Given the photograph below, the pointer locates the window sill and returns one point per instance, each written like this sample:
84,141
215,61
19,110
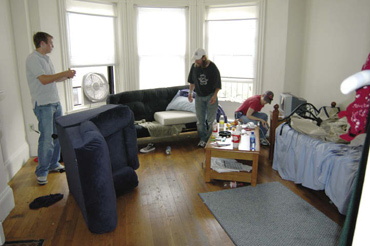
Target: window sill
229,100
85,107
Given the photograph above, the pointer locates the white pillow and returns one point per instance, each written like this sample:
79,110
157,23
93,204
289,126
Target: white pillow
181,103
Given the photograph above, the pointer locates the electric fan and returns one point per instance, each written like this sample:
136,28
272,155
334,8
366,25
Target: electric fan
95,87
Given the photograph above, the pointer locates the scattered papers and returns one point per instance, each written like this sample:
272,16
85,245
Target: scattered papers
222,165
220,144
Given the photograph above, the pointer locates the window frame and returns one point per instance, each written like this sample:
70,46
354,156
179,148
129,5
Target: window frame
257,81
68,85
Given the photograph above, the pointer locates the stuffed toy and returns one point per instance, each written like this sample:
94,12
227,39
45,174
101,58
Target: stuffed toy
357,111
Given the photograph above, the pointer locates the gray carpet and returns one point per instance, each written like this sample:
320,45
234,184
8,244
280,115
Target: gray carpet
270,214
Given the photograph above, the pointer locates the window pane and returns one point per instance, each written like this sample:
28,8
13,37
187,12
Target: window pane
77,96
161,36
236,89
91,39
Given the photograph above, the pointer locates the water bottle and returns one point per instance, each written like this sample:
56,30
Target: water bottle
253,142
168,150
214,130
222,123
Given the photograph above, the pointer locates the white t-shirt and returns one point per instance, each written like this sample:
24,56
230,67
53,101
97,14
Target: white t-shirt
37,65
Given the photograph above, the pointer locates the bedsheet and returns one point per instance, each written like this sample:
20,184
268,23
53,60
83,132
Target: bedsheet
317,164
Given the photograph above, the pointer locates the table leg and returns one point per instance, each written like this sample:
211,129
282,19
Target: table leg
254,170
207,170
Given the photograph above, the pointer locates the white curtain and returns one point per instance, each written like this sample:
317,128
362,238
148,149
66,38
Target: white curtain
91,40
161,43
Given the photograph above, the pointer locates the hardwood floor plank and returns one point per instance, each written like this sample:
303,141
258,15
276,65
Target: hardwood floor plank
165,209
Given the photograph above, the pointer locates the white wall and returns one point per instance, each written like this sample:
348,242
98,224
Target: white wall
29,17
13,146
337,43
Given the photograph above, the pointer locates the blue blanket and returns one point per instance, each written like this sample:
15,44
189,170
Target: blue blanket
317,164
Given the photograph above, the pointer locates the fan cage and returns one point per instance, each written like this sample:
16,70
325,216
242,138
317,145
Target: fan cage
95,87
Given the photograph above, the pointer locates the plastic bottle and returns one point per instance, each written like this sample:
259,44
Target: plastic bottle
236,135
214,130
168,150
222,123
253,141
233,184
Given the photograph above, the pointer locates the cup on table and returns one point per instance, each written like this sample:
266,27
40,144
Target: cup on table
235,138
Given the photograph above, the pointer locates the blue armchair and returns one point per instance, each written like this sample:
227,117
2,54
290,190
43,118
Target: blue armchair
99,150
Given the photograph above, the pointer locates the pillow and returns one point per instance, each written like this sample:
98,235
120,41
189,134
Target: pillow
181,103
185,93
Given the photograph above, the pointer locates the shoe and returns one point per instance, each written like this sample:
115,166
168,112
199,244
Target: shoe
264,142
45,201
42,180
148,148
59,168
202,144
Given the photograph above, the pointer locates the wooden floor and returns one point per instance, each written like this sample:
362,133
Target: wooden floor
165,209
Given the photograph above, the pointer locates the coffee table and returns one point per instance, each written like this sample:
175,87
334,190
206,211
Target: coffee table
228,152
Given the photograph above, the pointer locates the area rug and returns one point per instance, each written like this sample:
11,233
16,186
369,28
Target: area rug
25,243
270,214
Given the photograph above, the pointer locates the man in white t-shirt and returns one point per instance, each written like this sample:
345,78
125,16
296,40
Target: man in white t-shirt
42,80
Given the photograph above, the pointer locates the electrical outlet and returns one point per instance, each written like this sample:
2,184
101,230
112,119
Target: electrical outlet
31,127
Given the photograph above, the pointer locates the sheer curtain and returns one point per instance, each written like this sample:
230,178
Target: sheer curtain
161,43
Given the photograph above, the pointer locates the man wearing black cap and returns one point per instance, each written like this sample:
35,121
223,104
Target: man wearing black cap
249,112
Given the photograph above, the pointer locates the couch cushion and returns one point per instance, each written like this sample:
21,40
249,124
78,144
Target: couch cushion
174,117
75,119
96,180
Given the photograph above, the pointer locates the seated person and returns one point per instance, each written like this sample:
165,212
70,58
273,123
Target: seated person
249,112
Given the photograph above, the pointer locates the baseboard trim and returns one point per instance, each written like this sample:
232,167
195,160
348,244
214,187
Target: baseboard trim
6,202
16,161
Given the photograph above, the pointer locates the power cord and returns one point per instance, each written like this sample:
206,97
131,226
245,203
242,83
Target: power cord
33,129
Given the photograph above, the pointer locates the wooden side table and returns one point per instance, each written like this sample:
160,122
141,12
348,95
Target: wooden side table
228,152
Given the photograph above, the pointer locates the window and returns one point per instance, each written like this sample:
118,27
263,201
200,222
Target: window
91,45
161,43
148,44
231,35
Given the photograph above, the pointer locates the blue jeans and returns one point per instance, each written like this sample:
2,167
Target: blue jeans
206,114
48,148
263,130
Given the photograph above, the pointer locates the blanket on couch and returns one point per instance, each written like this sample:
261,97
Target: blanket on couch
157,130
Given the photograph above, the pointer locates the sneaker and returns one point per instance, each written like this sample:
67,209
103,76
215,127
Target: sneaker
202,144
42,180
59,168
148,148
264,142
